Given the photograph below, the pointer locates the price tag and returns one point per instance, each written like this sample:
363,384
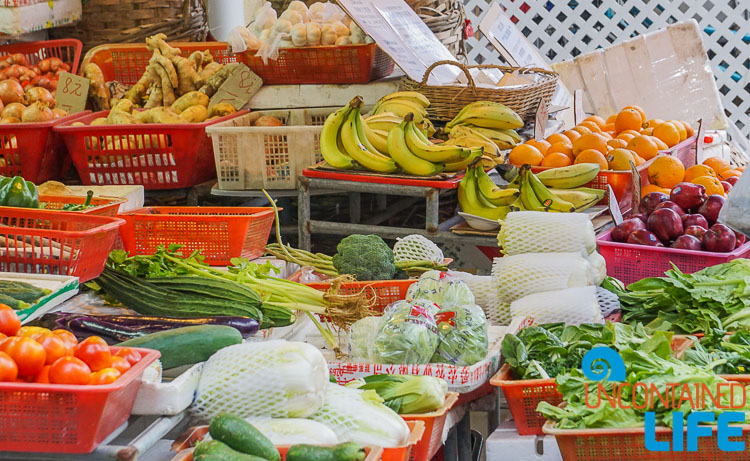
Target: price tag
238,88
72,93
577,106
614,207
540,121
699,138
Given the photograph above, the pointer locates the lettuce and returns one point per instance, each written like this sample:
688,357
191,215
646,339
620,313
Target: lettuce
462,332
408,333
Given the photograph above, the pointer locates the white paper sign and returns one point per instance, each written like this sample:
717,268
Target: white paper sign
614,207
398,30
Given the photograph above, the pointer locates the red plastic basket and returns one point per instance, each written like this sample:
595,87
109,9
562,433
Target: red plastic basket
383,292
34,150
126,62
628,445
523,395
321,65
58,418
416,432
154,155
101,206
221,233
432,439
67,49
55,242
630,263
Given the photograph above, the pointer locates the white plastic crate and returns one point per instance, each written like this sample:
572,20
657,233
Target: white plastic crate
267,157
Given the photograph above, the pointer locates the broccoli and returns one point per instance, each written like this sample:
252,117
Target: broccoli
366,257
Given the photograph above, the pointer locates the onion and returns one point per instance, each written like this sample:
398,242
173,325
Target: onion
10,120
59,113
14,109
37,112
37,93
11,91
268,120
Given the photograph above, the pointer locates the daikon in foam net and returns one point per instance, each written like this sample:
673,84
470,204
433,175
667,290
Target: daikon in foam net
416,247
573,306
541,232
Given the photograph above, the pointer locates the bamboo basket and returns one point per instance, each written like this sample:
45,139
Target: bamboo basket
131,21
447,100
445,18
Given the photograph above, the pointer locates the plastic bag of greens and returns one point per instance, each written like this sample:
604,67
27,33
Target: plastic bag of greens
408,333
362,335
442,289
462,334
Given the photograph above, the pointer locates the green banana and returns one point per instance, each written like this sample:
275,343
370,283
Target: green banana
332,153
490,191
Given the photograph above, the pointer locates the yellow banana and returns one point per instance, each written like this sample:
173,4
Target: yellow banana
462,130
582,198
366,135
568,177
356,149
409,162
512,133
329,137
427,127
459,166
528,196
426,150
489,190
401,108
503,140
378,138
467,107
491,117
470,202
413,96
489,147
547,198
383,124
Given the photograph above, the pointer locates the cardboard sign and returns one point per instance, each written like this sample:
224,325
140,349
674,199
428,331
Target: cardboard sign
72,93
238,88
577,106
540,120
614,207
700,136
636,187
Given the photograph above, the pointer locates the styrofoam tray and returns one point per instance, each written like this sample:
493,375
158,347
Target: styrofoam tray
63,288
170,397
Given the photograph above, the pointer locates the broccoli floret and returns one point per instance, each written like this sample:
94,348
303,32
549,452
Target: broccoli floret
366,257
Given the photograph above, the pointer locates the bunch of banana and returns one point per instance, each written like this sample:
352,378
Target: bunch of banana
480,196
461,135
401,103
493,121
536,195
386,121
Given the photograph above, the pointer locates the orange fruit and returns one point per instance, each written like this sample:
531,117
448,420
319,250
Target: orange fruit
611,133
609,127
643,146
581,129
626,136
647,131
696,171
590,141
741,169
666,171
619,159
717,164
628,119
681,128
688,128
525,154
563,148
729,173
615,143
606,135
639,160
559,137
542,145
592,156
652,122
572,135
556,159
633,132
711,183
659,143
637,109
591,125
653,188
668,133
596,119
611,119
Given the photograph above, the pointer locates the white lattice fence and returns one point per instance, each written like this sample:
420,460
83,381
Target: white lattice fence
564,29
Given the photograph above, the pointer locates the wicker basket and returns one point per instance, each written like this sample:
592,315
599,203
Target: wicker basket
131,21
446,101
445,18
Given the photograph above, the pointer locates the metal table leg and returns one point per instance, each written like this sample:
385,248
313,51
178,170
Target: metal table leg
303,213
463,437
355,207
432,214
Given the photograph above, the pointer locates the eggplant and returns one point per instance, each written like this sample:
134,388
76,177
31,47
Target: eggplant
125,327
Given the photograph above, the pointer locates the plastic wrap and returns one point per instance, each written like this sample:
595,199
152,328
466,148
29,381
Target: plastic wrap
442,289
736,210
462,334
573,306
408,333
541,232
362,335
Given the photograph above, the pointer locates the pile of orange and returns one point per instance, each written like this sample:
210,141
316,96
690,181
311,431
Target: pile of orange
666,172
612,143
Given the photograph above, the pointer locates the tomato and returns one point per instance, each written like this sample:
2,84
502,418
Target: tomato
120,364
2,336
69,370
105,376
129,354
8,368
43,376
5,343
54,346
95,352
9,321
32,332
69,338
28,354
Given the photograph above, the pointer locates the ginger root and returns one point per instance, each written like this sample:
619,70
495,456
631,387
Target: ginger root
189,80
209,70
194,98
158,43
167,89
216,80
98,93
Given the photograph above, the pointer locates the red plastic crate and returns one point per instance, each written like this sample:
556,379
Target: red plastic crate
416,431
432,439
383,292
67,49
523,396
630,263
221,233
101,206
154,155
34,150
321,65
55,242
61,418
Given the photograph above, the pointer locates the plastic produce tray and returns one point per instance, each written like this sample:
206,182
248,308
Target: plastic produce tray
67,49
383,292
101,206
432,439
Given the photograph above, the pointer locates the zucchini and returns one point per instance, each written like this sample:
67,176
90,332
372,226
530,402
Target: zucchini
226,289
225,452
348,451
205,457
187,345
13,303
242,436
22,291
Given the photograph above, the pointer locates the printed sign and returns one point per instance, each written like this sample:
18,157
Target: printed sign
577,106
699,139
540,121
238,88
72,92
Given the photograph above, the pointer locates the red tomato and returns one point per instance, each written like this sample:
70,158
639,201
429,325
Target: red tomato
32,332
129,354
105,376
95,352
54,346
2,336
9,321
69,370
68,337
8,368
5,343
43,376
28,354
120,364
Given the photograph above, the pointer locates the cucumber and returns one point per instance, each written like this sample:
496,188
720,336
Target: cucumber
22,291
208,458
223,451
187,345
348,451
13,303
242,436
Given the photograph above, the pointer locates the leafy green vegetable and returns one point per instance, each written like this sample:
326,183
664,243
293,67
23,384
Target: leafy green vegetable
406,394
724,357
441,288
462,331
408,333
366,257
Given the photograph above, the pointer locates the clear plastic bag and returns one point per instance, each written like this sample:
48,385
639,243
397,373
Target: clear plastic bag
408,334
442,289
736,210
462,335
362,335
265,18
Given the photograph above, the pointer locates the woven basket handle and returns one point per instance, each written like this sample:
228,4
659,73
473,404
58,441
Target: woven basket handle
463,68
